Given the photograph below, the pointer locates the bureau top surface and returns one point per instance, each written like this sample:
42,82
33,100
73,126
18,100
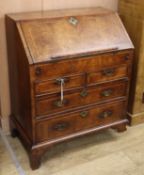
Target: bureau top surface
52,35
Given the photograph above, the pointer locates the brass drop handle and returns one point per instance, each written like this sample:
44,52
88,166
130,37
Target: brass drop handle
59,103
84,114
108,72
84,93
106,93
105,114
60,126
61,82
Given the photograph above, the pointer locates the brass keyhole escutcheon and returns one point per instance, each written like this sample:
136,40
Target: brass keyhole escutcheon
84,93
73,21
84,114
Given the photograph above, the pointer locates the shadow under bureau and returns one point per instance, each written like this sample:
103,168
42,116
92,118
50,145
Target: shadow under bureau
69,75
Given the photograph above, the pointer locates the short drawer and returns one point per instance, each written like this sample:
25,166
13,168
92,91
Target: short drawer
108,74
83,119
94,94
53,85
80,80
80,65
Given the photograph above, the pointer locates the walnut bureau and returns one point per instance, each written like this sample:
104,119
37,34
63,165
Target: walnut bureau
70,72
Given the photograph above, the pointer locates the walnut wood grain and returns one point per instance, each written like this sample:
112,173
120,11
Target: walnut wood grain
47,39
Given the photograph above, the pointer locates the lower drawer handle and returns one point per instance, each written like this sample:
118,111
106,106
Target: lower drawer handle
106,114
108,72
106,93
84,114
60,126
60,103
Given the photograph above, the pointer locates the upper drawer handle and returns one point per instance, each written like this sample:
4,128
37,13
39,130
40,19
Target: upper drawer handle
106,114
107,93
61,126
84,93
84,114
108,72
60,103
58,80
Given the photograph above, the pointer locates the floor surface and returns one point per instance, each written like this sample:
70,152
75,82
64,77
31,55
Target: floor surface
105,153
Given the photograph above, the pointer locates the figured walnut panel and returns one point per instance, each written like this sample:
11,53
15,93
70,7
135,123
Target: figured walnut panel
51,38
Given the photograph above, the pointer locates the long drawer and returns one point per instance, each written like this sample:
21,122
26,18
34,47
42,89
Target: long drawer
80,65
81,80
66,124
106,91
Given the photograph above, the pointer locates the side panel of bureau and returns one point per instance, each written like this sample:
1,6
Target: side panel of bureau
19,81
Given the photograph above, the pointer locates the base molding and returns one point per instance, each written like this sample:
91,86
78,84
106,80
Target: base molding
136,119
37,150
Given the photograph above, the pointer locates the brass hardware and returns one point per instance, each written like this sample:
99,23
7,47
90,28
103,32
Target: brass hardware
73,21
58,80
61,82
108,72
84,114
61,126
105,114
84,93
38,71
106,93
60,103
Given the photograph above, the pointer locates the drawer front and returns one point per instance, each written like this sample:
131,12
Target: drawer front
86,96
80,65
54,85
110,73
55,128
67,124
